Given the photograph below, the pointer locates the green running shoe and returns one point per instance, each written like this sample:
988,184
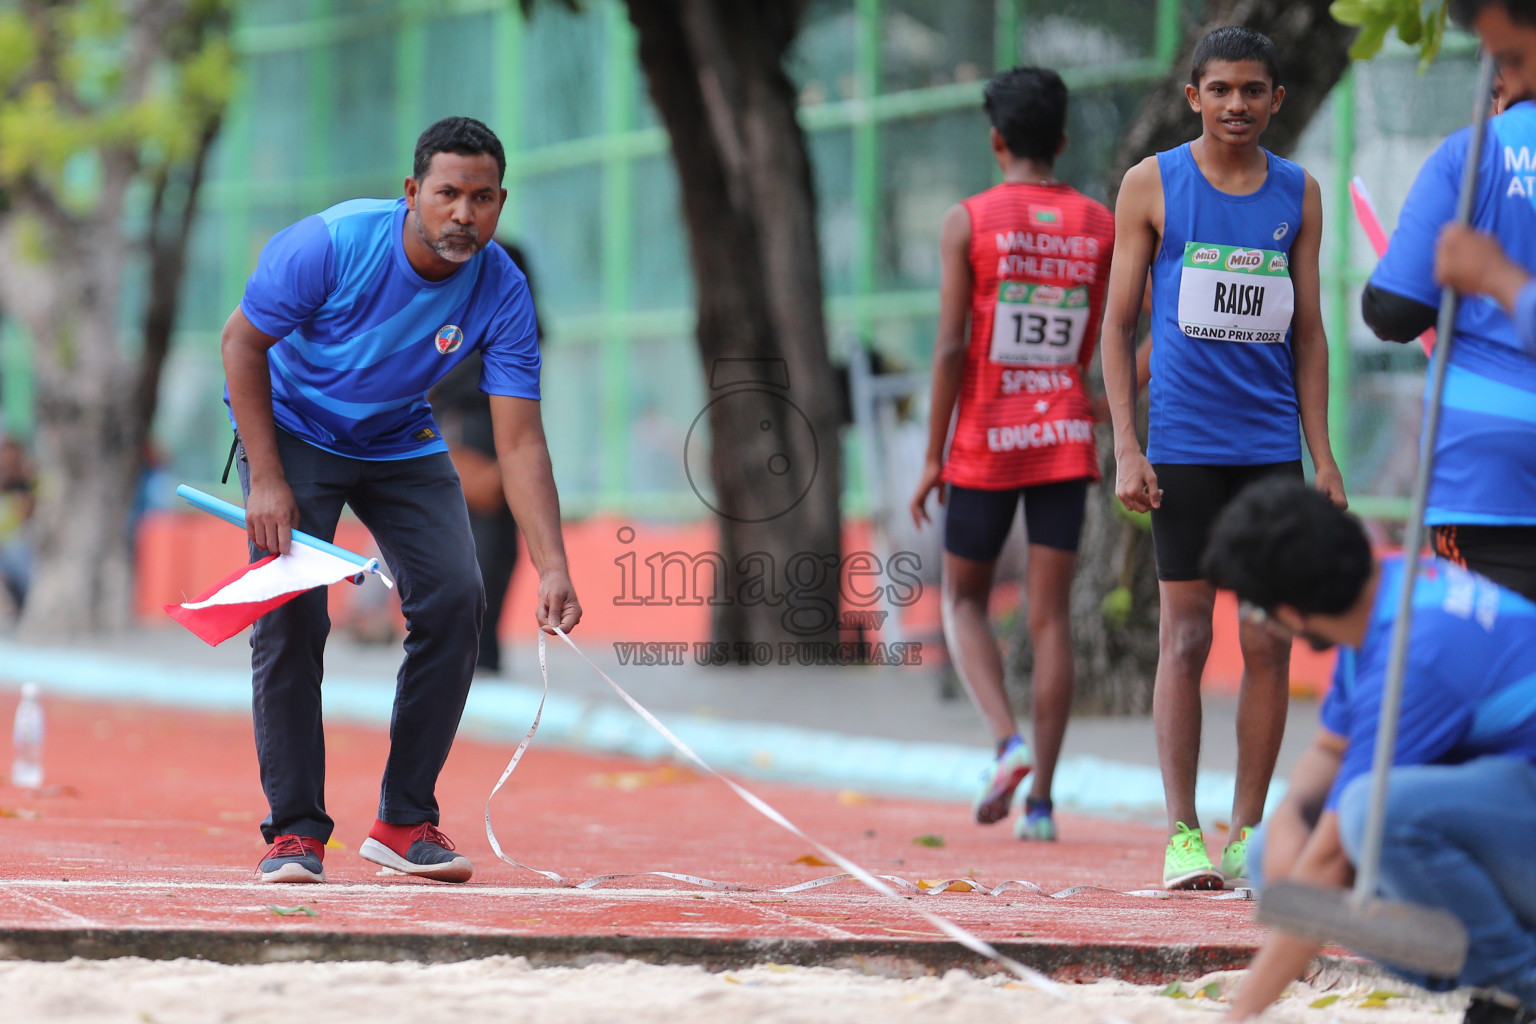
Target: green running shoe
1000,780
1186,865
1234,858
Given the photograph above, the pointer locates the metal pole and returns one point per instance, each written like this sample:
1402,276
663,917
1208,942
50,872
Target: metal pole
231,513
1368,870
508,106
619,77
1169,31
1005,36
866,160
1341,354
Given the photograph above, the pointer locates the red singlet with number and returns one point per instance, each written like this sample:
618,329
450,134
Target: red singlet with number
1039,259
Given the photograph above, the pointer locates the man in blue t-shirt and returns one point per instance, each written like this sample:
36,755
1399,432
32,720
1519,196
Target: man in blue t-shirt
351,315
1482,501
1461,811
1471,261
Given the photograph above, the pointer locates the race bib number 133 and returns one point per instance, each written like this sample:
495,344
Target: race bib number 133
1228,293
1038,324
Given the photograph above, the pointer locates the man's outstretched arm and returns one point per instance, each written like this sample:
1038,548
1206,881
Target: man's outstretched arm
1475,263
1309,342
1301,843
529,482
1135,246
949,349
271,514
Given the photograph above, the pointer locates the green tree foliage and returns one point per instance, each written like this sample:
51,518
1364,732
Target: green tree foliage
1419,23
107,112
90,80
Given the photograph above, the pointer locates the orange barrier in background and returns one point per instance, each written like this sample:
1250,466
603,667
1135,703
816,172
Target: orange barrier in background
181,554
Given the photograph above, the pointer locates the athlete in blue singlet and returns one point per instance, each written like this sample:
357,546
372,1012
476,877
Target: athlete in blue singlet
351,315
1230,233
1482,500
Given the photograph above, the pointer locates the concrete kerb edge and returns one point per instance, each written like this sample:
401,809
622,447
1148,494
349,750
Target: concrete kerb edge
1065,961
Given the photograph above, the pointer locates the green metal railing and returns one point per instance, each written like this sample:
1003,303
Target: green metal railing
864,309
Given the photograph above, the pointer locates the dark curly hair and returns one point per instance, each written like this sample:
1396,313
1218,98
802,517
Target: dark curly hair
1281,542
1234,43
1028,107
461,135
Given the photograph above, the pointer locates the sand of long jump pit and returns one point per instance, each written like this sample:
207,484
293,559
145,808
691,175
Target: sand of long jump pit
505,990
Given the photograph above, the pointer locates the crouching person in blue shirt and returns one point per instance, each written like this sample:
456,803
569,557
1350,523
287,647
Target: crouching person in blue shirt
1461,812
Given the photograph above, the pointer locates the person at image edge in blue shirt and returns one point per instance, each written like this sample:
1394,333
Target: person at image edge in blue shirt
1482,500
1472,261
351,315
1461,806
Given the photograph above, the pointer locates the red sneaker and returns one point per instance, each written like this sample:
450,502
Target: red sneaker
419,850
293,858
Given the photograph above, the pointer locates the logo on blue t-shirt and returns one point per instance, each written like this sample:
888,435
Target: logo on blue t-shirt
1485,454
449,338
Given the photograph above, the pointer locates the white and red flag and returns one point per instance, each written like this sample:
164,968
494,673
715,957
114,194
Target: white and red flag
242,598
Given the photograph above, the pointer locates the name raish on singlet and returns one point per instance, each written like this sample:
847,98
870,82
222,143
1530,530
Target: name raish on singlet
1235,293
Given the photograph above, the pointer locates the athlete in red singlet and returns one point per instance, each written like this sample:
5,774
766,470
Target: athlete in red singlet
1026,263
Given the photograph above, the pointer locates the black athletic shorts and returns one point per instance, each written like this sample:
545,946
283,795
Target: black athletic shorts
1504,554
977,522
1193,496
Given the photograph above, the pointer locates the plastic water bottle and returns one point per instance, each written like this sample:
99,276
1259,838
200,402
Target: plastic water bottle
27,738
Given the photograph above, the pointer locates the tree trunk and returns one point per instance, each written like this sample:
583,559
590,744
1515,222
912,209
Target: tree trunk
172,211
1114,597
64,275
715,72
91,429
68,297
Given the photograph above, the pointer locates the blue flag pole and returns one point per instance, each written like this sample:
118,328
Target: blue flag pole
235,514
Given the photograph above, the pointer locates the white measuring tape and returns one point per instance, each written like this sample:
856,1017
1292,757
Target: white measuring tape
882,884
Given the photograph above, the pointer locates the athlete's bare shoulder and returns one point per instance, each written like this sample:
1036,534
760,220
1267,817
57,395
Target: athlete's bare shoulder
956,228
1140,203
1311,207
1311,191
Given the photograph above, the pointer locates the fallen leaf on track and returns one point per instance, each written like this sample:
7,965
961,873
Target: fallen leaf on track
628,782
811,860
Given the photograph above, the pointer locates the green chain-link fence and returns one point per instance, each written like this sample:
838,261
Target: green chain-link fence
335,91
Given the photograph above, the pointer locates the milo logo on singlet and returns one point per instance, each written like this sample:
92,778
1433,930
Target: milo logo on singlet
1232,293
